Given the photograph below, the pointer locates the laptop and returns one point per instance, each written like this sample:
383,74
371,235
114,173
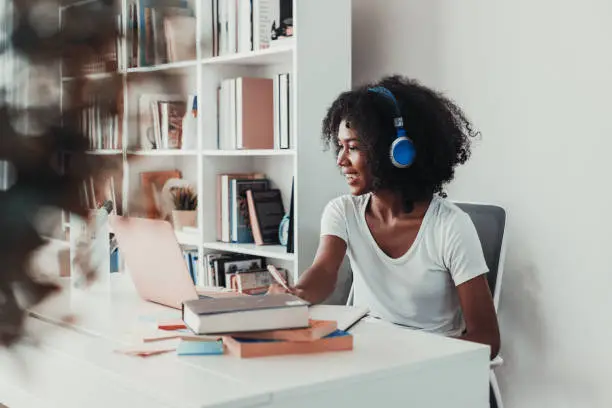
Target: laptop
154,259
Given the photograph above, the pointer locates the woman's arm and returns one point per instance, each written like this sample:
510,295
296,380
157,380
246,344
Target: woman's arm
479,313
318,281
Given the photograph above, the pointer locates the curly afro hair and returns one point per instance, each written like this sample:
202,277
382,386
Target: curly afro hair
438,128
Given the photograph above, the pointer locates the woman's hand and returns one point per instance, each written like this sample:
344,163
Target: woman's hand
276,288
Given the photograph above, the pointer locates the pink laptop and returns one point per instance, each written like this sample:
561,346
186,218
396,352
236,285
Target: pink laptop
154,260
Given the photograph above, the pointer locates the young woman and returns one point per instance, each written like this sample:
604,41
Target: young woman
416,257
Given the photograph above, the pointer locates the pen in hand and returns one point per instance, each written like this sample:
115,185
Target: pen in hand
278,278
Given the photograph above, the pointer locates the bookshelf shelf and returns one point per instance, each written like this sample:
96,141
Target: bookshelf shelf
261,152
268,251
99,75
274,55
163,67
187,238
105,152
163,152
75,4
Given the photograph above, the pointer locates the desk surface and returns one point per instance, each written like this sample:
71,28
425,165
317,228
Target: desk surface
108,320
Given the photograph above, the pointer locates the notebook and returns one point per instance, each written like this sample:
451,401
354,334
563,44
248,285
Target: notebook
345,316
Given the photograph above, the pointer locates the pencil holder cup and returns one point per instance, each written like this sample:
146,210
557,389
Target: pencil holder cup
181,219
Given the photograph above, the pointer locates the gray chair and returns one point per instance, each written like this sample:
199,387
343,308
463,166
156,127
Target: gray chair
490,223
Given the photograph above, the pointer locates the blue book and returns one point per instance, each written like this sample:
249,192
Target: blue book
194,268
199,348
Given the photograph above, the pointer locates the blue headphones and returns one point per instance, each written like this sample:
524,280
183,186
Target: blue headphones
402,151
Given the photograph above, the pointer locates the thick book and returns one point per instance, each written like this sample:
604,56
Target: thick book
265,214
245,313
254,113
317,330
247,348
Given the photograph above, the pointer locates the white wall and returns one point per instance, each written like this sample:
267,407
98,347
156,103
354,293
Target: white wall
536,79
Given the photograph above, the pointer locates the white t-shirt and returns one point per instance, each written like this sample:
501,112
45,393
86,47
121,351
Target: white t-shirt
418,289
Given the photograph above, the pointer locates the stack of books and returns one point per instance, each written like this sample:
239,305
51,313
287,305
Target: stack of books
257,326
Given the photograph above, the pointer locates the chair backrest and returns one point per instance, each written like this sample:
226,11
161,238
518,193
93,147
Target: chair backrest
490,223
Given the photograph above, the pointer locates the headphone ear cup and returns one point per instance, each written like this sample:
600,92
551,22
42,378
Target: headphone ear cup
402,152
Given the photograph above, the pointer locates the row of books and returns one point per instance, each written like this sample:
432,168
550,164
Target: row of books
241,273
248,210
95,195
191,259
232,26
102,128
159,32
106,61
160,121
254,113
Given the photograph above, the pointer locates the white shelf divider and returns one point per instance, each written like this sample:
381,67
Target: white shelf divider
95,76
266,56
254,152
105,152
187,238
268,251
164,67
163,152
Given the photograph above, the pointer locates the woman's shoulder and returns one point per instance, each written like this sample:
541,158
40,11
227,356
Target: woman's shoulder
446,212
348,203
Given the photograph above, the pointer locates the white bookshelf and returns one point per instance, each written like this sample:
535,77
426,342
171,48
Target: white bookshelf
319,63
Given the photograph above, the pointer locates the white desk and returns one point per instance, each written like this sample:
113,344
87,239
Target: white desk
76,366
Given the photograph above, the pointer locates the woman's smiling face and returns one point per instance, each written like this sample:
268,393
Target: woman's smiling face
352,159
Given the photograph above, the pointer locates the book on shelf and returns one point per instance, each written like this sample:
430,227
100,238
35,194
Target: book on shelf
160,121
191,259
265,214
282,134
245,313
99,123
160,32
241,230
291,226
255,282
180,37
254,113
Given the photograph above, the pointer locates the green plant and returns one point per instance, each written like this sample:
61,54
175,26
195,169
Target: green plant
184,198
